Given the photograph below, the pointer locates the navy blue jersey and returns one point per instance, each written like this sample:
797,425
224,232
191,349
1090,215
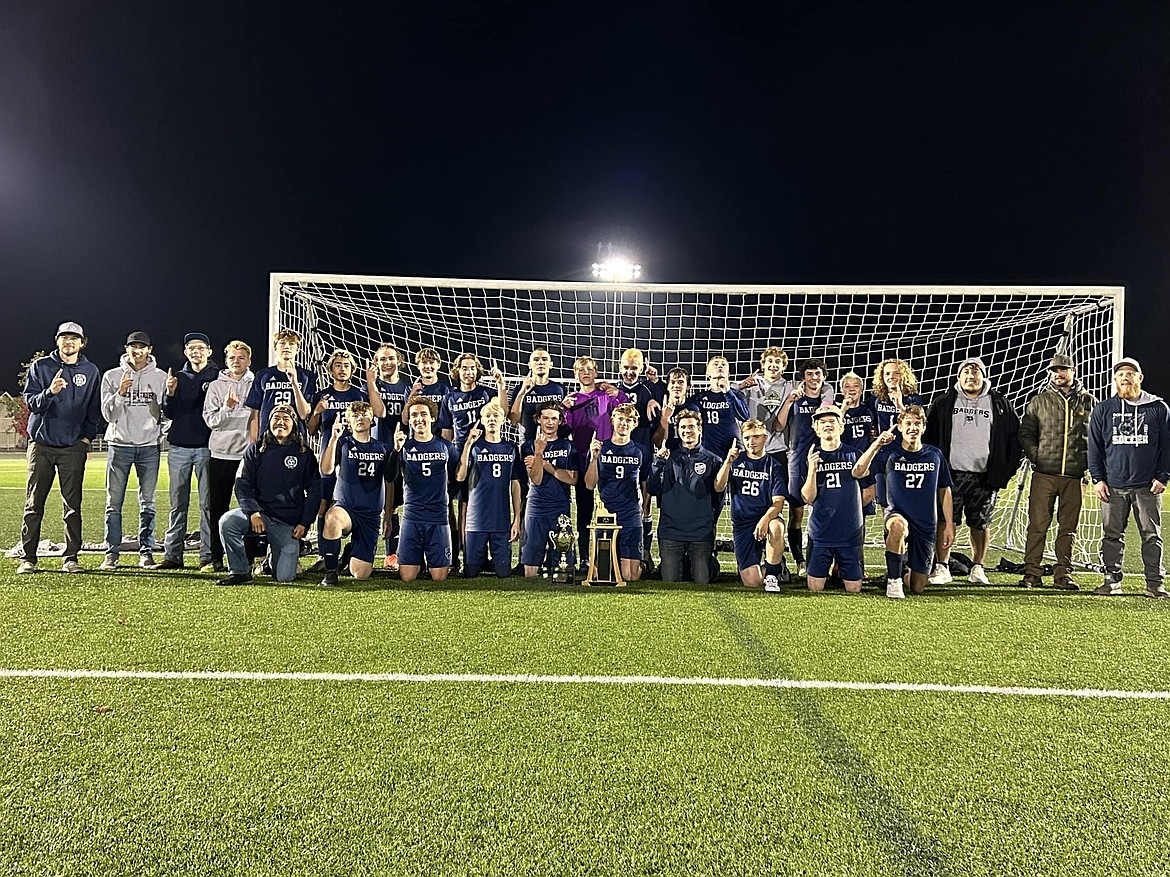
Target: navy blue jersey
836,520
491,469
361,469
621,469
722,413
799,432
913,479
427,470
533,399
460,411
393,396
641,394
887,412
436,392
336,403
551,496
752,485
272,387
861,426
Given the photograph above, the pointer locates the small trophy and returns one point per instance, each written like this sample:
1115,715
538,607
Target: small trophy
605,568
559,565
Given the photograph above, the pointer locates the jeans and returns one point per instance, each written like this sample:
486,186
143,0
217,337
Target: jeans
672,552
68,464
1147,514
182,463
145,460
286,551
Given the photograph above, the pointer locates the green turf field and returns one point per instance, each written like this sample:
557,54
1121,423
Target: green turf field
336,774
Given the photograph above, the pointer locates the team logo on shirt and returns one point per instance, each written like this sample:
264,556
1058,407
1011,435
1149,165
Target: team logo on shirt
79,380
290,462
1130,429
700,468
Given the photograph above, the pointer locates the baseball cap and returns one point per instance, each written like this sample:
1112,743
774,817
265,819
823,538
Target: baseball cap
828,411
70,329
138,338
1060,360
1130,361
196,336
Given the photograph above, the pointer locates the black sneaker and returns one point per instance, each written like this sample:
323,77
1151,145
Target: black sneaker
330,579
241,578
1065,583
1029,582
784,574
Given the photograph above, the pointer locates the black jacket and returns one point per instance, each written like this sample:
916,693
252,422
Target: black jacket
1003,459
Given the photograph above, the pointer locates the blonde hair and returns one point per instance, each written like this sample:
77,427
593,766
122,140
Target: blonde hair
778,353
428,354
752,424
625,410
852,376
633,354
237,345
493,405
582,361
909,382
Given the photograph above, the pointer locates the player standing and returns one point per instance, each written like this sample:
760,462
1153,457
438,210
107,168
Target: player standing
283,383
757,487
618,469
490,466
646,393
551,463
678,398
918,482
359,464
388,390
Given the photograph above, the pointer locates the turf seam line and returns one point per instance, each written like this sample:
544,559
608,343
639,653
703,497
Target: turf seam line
548,679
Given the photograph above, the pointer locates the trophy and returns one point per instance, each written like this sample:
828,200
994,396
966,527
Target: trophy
558,553
605,568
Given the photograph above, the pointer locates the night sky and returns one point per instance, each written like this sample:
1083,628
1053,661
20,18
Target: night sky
158,160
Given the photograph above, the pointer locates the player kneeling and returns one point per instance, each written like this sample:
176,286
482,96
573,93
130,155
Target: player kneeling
491,467
837,495
757,485
918,482
361,467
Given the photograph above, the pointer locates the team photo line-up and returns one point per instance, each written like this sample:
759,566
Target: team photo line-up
437,451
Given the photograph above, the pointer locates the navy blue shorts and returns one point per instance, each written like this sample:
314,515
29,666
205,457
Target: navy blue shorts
749,551
630,538
364,529
919,544
475,553
848,562
536,529
429,541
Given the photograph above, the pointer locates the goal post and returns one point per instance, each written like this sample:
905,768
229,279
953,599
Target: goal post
1015,330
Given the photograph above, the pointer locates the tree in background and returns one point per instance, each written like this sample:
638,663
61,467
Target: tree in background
16,406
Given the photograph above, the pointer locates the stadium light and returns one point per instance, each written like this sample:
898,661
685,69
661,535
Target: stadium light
614,268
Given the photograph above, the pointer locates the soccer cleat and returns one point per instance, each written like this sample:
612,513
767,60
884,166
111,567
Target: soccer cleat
391,562
146,560
784,576
1029,582
978,575
70,565
319,566
1157,592
109,563
330,579
1065,583
167,563
236,578
894,589
771,584
1109,588
26,566
941,575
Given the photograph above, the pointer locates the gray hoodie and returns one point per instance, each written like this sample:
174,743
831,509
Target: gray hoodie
136,418
229,426
971,427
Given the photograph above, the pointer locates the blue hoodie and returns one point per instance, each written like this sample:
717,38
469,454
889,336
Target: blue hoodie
282,481
685,486
75,413
185,408
1129,442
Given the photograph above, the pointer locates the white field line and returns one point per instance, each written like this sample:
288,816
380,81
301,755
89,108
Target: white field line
541,679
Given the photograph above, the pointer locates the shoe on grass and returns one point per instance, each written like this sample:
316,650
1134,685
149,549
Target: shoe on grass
894,589
1030,582
941,575
212,566
70,565
978,575
167,563
772,584
146,560
25,567
330,579
1109,588
109,563
1065,583
390,562
236,578
784,576
1157,592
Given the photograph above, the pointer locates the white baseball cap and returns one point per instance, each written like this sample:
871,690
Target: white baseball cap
70,329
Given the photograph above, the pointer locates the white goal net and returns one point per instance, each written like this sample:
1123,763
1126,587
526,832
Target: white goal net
1014,330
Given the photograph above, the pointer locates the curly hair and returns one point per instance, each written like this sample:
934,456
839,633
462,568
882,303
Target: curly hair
909,381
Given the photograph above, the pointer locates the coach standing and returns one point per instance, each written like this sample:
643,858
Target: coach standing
978,432
1054,433
1129,459
63,393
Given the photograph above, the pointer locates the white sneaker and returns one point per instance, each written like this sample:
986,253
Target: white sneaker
941,575
894,589
109,563
71,566
772,584
978,575
26,566
802,570
146,560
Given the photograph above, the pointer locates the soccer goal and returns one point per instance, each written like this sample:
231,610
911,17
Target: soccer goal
1014,330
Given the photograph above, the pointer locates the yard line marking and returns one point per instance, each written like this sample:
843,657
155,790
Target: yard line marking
542,679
